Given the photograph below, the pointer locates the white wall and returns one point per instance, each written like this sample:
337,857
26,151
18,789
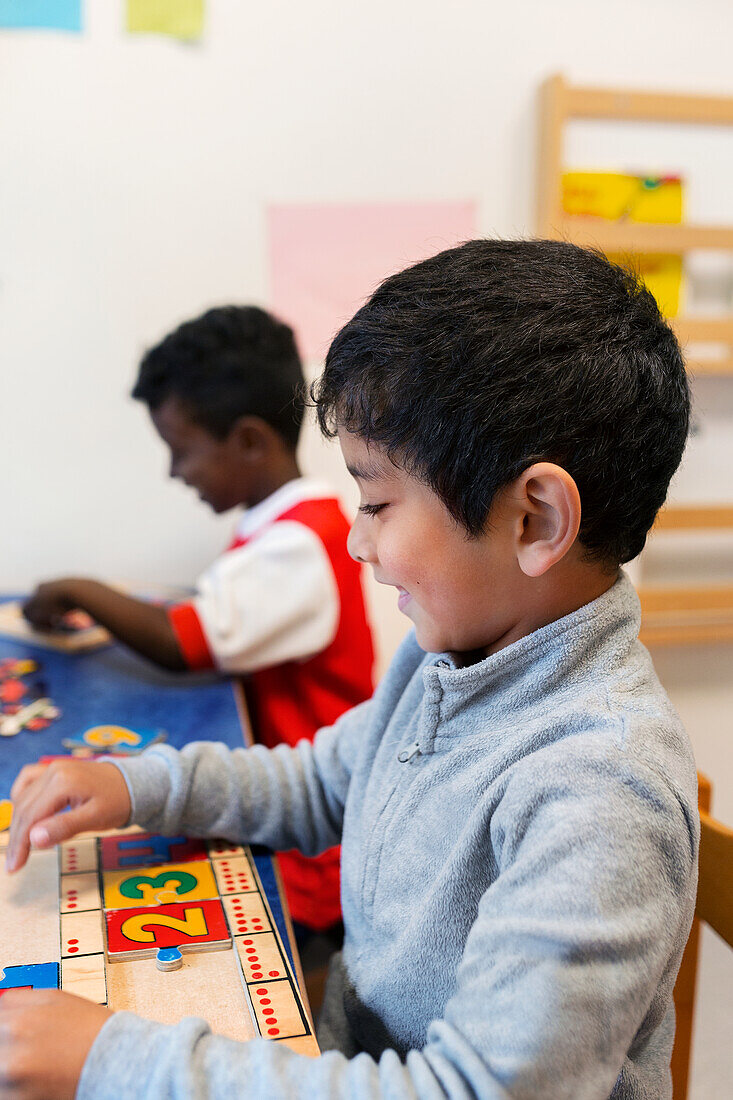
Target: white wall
135,174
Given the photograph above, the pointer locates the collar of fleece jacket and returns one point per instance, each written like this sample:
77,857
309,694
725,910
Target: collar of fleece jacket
549,662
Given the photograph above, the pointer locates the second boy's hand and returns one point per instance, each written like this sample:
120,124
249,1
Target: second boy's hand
143,626
54,802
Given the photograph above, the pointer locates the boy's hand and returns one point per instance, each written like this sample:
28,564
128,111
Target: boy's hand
53,802
45,1036
49,604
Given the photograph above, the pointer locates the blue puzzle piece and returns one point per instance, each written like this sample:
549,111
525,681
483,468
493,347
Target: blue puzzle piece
122,740
169,958
36,975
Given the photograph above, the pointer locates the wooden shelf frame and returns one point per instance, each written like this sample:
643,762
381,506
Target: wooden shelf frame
559,103
670,616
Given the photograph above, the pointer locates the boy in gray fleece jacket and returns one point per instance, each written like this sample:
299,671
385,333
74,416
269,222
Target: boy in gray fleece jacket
517,803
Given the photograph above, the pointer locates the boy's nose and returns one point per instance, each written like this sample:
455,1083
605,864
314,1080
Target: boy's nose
359,544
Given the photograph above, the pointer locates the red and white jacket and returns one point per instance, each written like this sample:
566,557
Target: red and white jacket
284,606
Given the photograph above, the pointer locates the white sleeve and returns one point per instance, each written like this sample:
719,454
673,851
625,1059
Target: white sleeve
273,600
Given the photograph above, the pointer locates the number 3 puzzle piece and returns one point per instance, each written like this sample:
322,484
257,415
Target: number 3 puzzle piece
193,881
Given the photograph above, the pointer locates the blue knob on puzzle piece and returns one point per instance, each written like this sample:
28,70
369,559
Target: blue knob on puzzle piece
33,976
169,958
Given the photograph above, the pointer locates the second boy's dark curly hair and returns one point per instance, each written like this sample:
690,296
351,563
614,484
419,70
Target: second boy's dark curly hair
231,361
472,365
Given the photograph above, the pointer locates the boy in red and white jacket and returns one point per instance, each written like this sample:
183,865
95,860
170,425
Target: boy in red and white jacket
283,605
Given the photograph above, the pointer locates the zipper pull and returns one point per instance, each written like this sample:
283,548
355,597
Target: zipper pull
408,753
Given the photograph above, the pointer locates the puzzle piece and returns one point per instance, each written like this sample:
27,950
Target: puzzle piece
277,1012
224,849
148,850
81,933
189,926
246,914
234,875
86,977
34,976
79,892
260,957
27,717
78,856
169,958
118,739
160,885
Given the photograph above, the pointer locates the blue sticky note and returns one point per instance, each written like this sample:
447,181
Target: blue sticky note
60,15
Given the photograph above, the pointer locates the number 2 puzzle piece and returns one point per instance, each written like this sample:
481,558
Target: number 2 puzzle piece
189,926
34,976
149,850
162,885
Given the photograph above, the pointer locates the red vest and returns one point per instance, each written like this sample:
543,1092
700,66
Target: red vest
290,701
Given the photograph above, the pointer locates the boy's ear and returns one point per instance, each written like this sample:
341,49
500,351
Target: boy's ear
251,436
546,505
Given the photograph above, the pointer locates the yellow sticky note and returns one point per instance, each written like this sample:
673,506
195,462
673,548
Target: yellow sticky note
178,18
6,814
171,882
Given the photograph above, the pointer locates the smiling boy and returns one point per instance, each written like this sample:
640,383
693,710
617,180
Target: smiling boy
517,802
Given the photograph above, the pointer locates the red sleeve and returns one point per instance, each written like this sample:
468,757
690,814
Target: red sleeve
190,636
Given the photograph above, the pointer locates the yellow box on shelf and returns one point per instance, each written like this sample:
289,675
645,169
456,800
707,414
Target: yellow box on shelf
624,197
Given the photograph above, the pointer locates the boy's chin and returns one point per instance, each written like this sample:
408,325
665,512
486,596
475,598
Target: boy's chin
430,640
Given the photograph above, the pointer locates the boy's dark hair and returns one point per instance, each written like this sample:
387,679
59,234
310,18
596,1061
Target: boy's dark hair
472,365
230,362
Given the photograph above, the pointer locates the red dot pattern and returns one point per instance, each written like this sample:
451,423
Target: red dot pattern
234,879
245,923
268,1013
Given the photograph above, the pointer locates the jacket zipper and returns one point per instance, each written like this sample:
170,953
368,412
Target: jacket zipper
407,754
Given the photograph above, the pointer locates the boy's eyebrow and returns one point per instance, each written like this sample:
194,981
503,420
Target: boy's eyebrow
370,472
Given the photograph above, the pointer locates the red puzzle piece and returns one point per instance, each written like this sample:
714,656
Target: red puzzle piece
189,926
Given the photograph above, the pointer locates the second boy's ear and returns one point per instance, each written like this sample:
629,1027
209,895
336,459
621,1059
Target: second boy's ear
252,437
546,516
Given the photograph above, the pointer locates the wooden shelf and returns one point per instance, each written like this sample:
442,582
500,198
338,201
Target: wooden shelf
703,330
643,106
694,517
631,237
652,634
670,616
684,616
709,368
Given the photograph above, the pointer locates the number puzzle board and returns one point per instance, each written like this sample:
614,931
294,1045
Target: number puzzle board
102,907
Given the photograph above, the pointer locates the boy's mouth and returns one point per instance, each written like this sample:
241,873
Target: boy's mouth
403,598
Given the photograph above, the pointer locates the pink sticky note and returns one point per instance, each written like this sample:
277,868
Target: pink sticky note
326,259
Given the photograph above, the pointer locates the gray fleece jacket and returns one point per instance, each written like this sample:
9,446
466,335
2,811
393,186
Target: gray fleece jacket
518,879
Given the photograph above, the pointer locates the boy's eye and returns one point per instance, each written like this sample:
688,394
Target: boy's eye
371,509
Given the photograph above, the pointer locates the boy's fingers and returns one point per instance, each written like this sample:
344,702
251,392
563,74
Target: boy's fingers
59,827
26,776
41,800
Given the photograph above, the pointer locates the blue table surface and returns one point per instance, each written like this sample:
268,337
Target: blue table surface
113,686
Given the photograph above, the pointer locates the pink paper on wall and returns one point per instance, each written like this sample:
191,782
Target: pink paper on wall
325,259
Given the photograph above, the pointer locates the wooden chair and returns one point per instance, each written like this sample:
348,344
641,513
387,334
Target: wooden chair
715,907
